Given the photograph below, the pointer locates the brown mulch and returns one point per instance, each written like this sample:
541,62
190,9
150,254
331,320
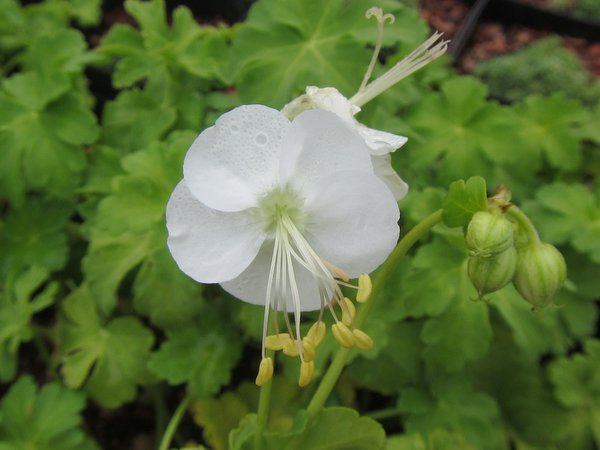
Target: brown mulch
493,38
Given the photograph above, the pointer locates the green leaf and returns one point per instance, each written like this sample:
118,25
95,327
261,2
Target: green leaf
108,360
22,296
568,213
218,416
157,50
332,429
454,406
437,278
460,134
164,293
42,130
201,353
464,200
518,384
577,379
135,120
19,26
544,332
35,232
129,226
405,442
285,46
62,52
44,419
549,128
462,334
397,365
110,258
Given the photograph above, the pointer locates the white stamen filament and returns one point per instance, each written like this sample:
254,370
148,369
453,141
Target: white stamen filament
290,246
418,58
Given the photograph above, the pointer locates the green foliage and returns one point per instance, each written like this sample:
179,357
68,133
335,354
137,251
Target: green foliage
23,295
333,429
570,213
35,232
43,126
108,359
464,200
44,419
286,46
201,354
544,67
157,50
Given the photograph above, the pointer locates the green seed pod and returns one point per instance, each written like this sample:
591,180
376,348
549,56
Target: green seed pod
540,273
488,274
489,233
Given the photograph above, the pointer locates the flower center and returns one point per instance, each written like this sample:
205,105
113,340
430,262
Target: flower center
277,205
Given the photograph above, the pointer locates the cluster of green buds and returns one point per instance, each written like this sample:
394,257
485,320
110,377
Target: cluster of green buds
504,246
344,331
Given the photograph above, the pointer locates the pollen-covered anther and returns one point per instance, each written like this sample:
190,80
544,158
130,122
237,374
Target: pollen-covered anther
362,340
348,311
364,288
316,333
343,335
276,342
291,348
265,371
308,350
307,369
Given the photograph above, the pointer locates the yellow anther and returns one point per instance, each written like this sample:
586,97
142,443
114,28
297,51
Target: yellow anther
343,335
364,288
307,369
348,311
291,348
265,371
362,340
316,333
277,341
308,350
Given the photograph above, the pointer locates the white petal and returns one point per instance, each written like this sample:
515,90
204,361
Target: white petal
380,142
233,163
251,285
327,98
382,164
319,144
353,221
210,246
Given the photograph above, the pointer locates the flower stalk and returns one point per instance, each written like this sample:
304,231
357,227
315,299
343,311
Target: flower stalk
385,271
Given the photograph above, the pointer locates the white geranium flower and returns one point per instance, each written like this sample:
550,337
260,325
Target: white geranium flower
280,213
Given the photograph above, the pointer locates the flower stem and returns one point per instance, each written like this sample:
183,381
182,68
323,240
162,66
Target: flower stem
524,223
174,423
264,401
384,413
385,271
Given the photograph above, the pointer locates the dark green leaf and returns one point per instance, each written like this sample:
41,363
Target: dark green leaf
464,200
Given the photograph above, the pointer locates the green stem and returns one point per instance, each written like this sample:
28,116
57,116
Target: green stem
385,271
174,423
264,400
160,409
384,413
524,223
